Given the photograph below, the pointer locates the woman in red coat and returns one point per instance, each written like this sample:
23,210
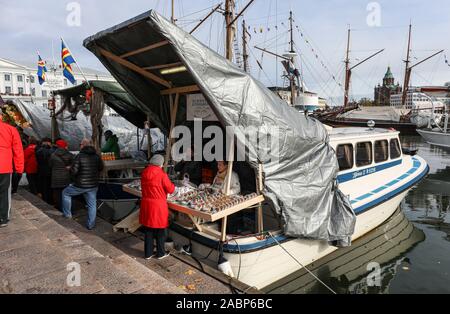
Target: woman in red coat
154,214
31,165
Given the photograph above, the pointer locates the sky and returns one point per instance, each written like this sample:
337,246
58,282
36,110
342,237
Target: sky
28,26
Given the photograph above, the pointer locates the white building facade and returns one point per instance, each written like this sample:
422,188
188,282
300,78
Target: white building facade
416,100
20,81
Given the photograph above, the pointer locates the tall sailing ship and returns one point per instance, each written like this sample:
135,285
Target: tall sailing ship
401,117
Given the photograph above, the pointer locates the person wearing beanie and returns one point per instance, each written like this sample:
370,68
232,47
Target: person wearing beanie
85,172
154,212
60,162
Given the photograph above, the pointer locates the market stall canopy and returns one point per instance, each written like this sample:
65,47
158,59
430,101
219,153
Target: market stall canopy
73,129
152,58
115,96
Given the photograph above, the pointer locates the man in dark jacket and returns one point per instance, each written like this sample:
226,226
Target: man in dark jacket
85,170
60,163
43,153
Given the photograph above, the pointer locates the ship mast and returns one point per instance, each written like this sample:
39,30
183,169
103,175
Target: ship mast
347,70
173,12
292,52
407,71
229,14
244,46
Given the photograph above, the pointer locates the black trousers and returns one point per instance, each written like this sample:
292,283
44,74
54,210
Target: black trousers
33,182
5,197
57,198
160,236
15,182
44,187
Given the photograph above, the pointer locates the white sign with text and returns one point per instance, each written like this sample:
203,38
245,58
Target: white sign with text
198,108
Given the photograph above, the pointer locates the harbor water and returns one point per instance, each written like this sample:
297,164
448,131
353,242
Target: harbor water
409,253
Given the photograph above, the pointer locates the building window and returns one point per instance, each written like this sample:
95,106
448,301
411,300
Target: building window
20,89
7,89
44,93
65,82
32,79
345,156
363,154
7,77
396,151
19,78
33,91
381,151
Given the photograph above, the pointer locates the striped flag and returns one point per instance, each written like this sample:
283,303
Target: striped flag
67,61
42,69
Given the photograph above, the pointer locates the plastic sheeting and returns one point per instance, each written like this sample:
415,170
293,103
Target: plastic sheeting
114,96
300,182
73,131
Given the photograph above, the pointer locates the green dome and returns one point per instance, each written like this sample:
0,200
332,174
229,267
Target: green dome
388,74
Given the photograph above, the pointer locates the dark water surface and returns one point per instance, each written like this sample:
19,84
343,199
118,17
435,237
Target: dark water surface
412,248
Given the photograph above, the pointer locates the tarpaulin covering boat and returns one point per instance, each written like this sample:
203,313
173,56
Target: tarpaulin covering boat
300,182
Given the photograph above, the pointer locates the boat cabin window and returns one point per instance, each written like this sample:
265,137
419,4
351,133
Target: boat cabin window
344,154
395,149
363,154
381,151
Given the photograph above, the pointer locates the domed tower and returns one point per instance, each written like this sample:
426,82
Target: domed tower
383,93
388,79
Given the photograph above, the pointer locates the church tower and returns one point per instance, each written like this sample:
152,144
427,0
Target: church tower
382,95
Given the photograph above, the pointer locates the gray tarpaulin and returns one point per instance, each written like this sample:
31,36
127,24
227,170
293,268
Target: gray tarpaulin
300,183
73,131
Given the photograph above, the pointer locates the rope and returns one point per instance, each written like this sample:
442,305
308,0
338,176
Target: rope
317,278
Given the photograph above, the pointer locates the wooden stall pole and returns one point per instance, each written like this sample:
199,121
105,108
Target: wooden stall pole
223,235
230,160
173,116
149,138
259,188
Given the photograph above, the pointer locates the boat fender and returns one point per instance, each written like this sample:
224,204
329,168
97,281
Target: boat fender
225,267
186,249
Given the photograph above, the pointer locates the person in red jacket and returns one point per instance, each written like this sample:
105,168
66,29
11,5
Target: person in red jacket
31,166
154,213
11,152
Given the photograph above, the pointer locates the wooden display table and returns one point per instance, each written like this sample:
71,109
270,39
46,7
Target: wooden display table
195,215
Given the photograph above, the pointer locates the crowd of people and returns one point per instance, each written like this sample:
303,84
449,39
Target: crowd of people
52,171
56,175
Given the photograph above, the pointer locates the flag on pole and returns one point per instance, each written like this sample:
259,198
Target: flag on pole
67,60
42,69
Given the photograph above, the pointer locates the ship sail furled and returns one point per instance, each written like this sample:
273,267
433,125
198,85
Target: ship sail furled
300,183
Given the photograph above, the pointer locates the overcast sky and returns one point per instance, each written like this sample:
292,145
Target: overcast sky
27,26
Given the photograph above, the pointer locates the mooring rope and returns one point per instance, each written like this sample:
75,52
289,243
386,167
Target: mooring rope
317,278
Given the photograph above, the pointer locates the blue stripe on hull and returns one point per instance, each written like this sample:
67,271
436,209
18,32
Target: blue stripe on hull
365,172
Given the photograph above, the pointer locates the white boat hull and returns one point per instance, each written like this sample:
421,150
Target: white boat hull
262,267
435,138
